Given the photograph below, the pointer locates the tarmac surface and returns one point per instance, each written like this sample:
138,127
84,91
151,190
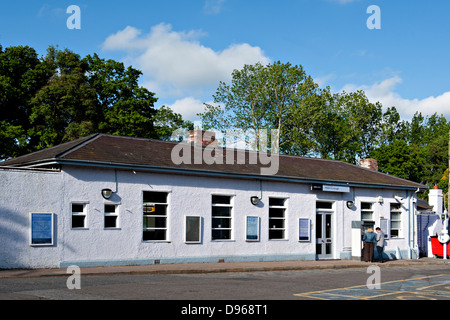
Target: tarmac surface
191,268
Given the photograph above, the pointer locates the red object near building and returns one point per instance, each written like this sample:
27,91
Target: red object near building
437,248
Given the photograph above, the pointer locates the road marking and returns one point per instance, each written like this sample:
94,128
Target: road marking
398,289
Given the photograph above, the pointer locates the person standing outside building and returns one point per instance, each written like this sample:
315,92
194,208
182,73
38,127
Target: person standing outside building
380,243
369,240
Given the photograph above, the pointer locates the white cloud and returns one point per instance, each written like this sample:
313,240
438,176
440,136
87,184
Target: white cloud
176,64
322,80
384,92
47,11
188,108
213,6
343,1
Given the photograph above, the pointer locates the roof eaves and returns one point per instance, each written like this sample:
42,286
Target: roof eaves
185,171
47,154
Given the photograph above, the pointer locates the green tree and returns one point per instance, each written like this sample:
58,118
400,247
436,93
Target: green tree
64,108
421,142
330,134
343,126
400,159
166,122
125,108
363,119
392,127
61,96
22,74
261,98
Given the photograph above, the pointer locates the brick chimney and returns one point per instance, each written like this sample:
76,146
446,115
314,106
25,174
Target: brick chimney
201,138
371,164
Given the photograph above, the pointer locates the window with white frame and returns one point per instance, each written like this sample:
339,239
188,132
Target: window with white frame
111,215
221,213
155,215
396,220
277,218
79,215
366,211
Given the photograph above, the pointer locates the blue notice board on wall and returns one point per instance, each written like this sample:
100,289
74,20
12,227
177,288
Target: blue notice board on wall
41,229
304,230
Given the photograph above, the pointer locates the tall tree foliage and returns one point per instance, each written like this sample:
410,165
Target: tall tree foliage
316,122
22,75
261,98
61,96
418,148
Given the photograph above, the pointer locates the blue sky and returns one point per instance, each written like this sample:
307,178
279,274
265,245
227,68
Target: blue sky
184,48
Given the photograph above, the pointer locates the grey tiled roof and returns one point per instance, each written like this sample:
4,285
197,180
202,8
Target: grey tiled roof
137,153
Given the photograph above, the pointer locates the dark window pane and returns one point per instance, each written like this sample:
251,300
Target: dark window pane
154,222
318,226
279,213
276,202
221,211
154,235
221,223
77,207
155,197
110,221
276,223
78,221
276,234
324,205
109,208
221,234
318,248
366,206
221,199
328,226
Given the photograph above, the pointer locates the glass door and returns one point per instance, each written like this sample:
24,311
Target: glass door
324,230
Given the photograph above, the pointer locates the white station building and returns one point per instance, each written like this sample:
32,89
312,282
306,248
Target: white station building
108,200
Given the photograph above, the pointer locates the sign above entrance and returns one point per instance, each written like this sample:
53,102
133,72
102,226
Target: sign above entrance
329,188
426,212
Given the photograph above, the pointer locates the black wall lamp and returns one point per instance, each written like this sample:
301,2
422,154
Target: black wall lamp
350,204
254,200
106,193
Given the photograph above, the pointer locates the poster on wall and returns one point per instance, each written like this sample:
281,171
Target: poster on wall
41,229
252,229
384,227
304,230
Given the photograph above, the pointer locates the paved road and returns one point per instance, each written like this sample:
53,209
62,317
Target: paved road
415,282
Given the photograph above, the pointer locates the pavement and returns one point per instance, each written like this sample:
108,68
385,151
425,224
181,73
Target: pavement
191,268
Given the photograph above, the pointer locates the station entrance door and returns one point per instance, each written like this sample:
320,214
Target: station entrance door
324,230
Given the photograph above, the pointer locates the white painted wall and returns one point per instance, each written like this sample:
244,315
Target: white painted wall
24,191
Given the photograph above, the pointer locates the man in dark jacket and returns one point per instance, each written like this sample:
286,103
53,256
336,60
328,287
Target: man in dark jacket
369,240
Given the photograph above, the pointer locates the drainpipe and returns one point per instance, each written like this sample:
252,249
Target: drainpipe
408,197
